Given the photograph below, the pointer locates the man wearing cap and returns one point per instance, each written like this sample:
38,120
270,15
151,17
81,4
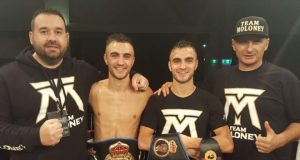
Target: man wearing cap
261,100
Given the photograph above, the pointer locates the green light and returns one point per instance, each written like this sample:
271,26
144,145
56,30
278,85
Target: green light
226,61
213,61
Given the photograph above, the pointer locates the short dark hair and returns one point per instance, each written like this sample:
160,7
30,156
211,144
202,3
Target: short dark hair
184,44
47,11
118,37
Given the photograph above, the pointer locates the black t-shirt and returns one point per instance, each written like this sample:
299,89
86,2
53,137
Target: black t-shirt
269,93
195,115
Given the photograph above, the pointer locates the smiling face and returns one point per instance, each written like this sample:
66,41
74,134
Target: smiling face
49,38
119,57
182,64
250,51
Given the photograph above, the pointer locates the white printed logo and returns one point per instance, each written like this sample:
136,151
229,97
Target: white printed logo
181,119
240,98
47,93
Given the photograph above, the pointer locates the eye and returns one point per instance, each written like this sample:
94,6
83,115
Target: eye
242,41
127,56
176,60
114,54
43,32
189,60
258,40
58,32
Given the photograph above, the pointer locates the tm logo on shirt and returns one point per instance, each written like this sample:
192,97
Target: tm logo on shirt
45,89
181,119
239,99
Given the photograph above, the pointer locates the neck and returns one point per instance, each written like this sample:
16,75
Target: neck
45,64
183,89
117,84
251,67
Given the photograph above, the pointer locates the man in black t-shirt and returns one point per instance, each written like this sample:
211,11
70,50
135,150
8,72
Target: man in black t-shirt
261,100
187,109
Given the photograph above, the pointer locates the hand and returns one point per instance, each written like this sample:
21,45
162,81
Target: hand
194,153
139,82
269,143
51,132
164,89
185,140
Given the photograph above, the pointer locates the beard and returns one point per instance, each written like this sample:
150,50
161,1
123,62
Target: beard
50,57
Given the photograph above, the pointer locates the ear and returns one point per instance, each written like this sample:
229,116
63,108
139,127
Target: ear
30,35
267,43
133,60
68,36
196,66
233,44
104,57
169,65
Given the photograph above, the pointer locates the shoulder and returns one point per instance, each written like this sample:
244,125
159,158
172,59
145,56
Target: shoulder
102,84
279,71
98,87
81,64
154,98
148,92
204,94
8,68
219,74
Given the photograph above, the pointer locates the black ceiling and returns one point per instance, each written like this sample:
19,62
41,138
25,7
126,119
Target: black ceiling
157,16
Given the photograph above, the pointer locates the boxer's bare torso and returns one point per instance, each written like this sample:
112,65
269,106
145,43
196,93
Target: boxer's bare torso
116,111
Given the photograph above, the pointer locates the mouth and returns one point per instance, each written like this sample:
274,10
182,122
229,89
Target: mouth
249,56
52,46
120,69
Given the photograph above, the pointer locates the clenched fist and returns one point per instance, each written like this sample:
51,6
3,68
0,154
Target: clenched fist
51,132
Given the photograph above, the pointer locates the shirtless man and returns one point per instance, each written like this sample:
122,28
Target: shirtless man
116,106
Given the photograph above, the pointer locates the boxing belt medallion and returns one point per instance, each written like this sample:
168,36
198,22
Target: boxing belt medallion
115,149
210,149
167,147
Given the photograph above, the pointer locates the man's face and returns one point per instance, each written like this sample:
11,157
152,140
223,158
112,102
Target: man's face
250,51
49,38
119,57
182,64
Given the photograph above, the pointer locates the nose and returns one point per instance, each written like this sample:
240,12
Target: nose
250,46
182,65
120,60
51,36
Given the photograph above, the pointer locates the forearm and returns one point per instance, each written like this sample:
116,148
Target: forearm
224,139
192,143
18,138
291,133
144,142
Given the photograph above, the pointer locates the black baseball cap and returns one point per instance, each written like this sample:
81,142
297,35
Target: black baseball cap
251,26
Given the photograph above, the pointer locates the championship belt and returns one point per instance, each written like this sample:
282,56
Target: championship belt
115,149
210,149
167,147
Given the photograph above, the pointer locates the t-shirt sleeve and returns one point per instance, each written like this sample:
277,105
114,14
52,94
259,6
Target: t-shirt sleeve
216,113
149,117
291,94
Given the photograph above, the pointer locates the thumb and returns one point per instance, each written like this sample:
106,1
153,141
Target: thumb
269,130
134,84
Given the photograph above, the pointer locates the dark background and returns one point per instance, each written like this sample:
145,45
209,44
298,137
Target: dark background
155,26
